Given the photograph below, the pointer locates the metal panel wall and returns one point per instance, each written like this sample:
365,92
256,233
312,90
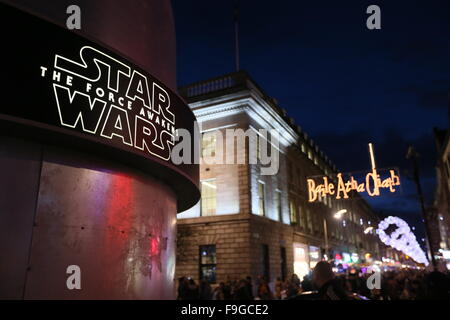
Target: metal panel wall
116,224
19,180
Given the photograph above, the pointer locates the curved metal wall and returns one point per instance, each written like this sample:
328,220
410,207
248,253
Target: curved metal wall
59,207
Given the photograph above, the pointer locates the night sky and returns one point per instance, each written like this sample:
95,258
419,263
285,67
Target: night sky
344,85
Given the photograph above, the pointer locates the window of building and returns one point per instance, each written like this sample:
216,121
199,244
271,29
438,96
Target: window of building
293,211
207,263
303,148
209,145
208,201
261,199
278,205
309,223
300,216
310,155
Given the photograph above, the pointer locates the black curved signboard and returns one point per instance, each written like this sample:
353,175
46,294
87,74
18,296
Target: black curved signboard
62,88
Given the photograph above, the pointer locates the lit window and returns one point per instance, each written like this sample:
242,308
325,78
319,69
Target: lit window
207,263
209,145
208,197
278,205
303,148
261,204
293,211
310,155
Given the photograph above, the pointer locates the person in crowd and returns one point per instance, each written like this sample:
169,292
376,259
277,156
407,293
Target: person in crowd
292,289
329,288
296,280
227,290
241,292
278,288
264,292
205,290
306,283
218,293
250,287
192,292
437,286
182,288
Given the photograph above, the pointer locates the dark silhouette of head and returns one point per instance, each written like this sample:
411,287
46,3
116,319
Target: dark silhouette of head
322,273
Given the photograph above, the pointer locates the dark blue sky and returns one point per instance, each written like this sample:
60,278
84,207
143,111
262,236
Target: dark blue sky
344,85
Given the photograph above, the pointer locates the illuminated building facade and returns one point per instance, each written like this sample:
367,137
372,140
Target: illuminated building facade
250,224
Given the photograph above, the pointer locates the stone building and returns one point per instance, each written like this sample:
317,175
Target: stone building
249,223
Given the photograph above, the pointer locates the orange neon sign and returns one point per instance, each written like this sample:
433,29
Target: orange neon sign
372,184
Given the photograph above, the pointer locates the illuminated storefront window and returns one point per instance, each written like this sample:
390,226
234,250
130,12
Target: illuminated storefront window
208,188
314,256
207,263
209,145
301,261
346,257
261,205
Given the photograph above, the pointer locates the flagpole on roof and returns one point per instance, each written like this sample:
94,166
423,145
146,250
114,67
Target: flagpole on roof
236,33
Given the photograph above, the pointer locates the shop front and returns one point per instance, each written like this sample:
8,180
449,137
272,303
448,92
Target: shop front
301,260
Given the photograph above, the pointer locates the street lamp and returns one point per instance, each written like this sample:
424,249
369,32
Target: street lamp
338,215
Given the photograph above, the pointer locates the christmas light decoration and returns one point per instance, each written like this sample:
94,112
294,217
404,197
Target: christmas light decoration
401,239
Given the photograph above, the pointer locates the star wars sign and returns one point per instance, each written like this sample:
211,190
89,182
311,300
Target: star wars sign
63,89
103,96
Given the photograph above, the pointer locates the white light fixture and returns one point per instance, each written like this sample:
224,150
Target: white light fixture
340,213
368,230
401,239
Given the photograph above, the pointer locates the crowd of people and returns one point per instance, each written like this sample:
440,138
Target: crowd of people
324,284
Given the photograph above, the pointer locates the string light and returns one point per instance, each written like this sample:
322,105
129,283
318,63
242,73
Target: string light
401,239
